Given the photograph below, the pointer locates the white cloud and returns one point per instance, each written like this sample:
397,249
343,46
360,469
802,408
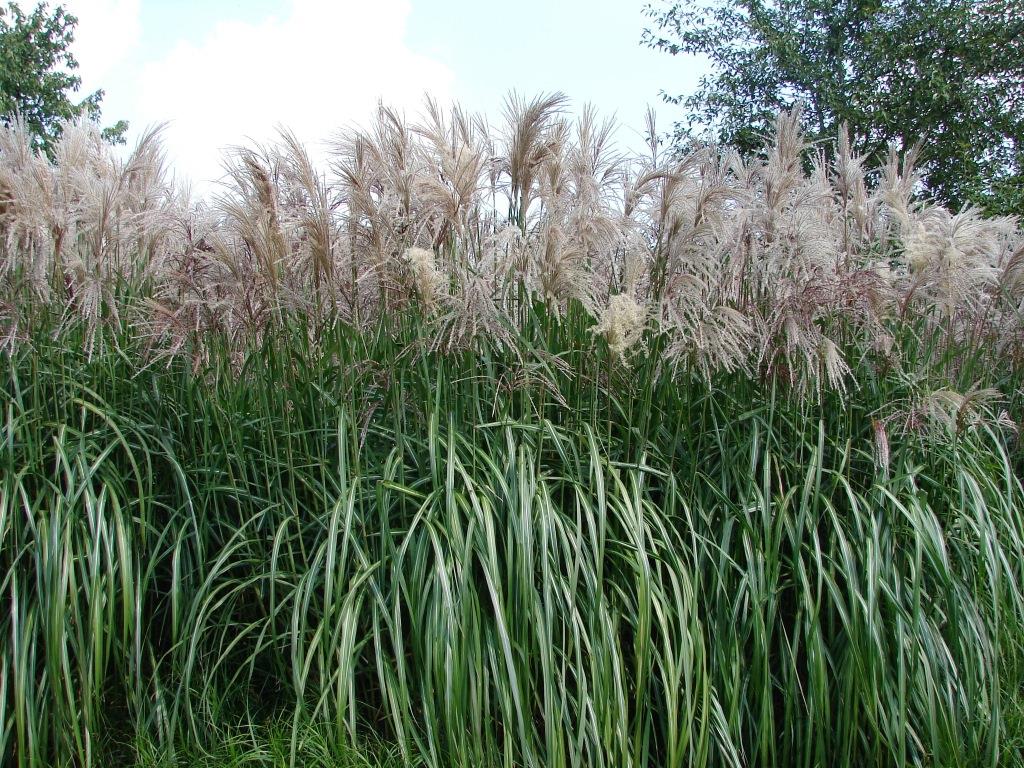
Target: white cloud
107,31
321,65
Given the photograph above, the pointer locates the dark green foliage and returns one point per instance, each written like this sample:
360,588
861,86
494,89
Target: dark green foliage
37,73
487,559
948,74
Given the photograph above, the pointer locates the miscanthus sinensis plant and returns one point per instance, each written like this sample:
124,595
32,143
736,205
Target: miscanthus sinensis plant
503,448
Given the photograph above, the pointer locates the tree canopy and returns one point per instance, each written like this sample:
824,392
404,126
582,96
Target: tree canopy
37,73
945,74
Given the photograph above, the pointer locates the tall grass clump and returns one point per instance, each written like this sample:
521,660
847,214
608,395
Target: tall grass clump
496,447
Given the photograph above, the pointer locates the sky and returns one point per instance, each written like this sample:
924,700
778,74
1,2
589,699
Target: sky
227,72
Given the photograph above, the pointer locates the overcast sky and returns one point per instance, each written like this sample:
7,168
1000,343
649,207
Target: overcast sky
224,71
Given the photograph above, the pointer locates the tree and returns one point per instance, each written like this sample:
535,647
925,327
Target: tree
947,74
37,74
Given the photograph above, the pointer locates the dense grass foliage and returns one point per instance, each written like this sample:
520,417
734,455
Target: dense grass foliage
506,450
367,539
